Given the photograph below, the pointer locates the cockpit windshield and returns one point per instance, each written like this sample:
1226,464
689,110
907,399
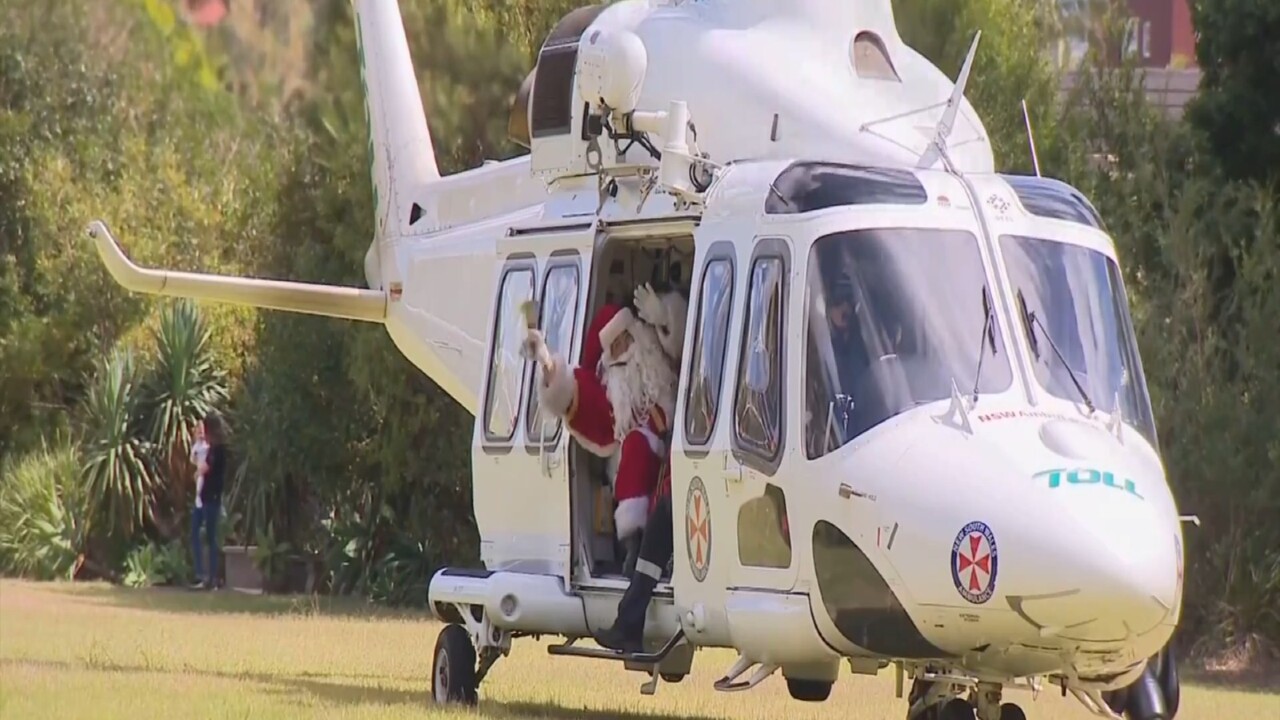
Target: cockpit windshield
1078,326
896,318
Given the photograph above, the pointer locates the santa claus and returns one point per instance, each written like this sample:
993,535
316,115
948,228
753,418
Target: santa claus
618,404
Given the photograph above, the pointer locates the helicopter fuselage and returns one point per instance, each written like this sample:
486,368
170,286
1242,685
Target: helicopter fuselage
1013,533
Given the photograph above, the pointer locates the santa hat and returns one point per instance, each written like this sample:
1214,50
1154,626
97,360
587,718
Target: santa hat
610,322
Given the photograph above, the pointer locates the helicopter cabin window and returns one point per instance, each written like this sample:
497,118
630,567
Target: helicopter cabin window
896,317
710,337
871,60
506,366
1075,315
559,310
764,533
758,406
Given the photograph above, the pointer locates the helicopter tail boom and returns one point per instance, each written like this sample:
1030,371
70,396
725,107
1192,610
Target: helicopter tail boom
327,300
401,153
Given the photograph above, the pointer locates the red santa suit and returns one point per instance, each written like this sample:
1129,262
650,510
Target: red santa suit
619,406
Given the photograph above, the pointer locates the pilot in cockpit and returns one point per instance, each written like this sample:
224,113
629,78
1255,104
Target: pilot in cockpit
835,355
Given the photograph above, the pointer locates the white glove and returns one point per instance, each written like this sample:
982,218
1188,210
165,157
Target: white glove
650,307
532,342
198,503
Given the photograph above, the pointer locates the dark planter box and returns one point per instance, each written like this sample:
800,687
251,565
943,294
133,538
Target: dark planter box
304,573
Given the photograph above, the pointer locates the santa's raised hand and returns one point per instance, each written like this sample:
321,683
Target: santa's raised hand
650,307
534,347
666,313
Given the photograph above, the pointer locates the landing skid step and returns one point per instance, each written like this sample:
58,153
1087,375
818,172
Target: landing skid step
653,658
730,682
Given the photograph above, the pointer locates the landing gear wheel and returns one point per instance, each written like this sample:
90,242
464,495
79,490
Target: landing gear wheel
1146,700
809,690
671,678
956,709
453,673
1169,685
1009,711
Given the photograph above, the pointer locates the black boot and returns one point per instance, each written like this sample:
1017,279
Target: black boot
631,553
627,632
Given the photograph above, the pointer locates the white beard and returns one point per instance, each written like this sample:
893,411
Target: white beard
639,380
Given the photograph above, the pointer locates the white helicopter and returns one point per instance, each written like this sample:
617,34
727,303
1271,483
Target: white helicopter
980,510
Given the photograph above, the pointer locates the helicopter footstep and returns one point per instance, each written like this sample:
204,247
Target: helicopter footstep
730,682
640,659
648,663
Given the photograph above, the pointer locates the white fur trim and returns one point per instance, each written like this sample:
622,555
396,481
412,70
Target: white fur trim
655,443
631,516
607,451
617,324
557,396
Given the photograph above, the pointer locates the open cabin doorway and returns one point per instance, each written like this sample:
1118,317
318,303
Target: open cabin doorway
660,253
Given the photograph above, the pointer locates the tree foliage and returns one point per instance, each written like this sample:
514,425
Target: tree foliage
1237,109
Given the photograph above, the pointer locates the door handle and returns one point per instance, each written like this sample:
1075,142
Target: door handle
732,472
846,491
732,468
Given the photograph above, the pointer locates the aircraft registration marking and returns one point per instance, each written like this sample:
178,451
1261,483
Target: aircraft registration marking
698,529
975,562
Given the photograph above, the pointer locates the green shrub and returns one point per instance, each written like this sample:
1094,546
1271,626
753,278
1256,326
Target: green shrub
43,513
153,564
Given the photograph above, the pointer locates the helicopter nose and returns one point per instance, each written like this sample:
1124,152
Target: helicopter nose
1111,576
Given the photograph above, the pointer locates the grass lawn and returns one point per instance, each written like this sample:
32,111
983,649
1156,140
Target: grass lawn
95,651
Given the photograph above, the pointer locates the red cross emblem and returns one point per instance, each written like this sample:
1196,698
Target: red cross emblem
698,529
978,558
974,563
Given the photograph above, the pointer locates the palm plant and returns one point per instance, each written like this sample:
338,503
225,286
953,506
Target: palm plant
184,385
119,473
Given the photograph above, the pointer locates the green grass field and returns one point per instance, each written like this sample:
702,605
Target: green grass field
95,651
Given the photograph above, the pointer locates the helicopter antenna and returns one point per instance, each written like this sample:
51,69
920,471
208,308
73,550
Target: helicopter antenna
1031,139
938,146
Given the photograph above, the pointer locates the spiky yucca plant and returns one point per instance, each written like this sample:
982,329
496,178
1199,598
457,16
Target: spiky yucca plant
119,473
43,511
184,384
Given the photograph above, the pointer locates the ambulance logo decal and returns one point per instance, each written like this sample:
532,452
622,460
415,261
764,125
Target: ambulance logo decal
974,562
698,530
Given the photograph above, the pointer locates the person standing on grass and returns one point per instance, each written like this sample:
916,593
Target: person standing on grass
199,451
210,475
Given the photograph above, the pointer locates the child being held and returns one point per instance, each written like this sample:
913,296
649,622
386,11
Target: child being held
199,451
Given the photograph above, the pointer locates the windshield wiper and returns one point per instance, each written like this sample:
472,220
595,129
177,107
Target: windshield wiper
1029,320
988,336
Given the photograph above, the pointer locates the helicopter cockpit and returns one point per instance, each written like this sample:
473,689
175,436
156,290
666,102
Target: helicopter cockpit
896,317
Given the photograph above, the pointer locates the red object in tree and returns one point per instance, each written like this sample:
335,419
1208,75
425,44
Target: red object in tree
206,13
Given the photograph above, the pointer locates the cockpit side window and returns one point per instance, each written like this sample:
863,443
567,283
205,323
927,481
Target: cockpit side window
1078,326
895,317
710,340
559,310
507,368
758,409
